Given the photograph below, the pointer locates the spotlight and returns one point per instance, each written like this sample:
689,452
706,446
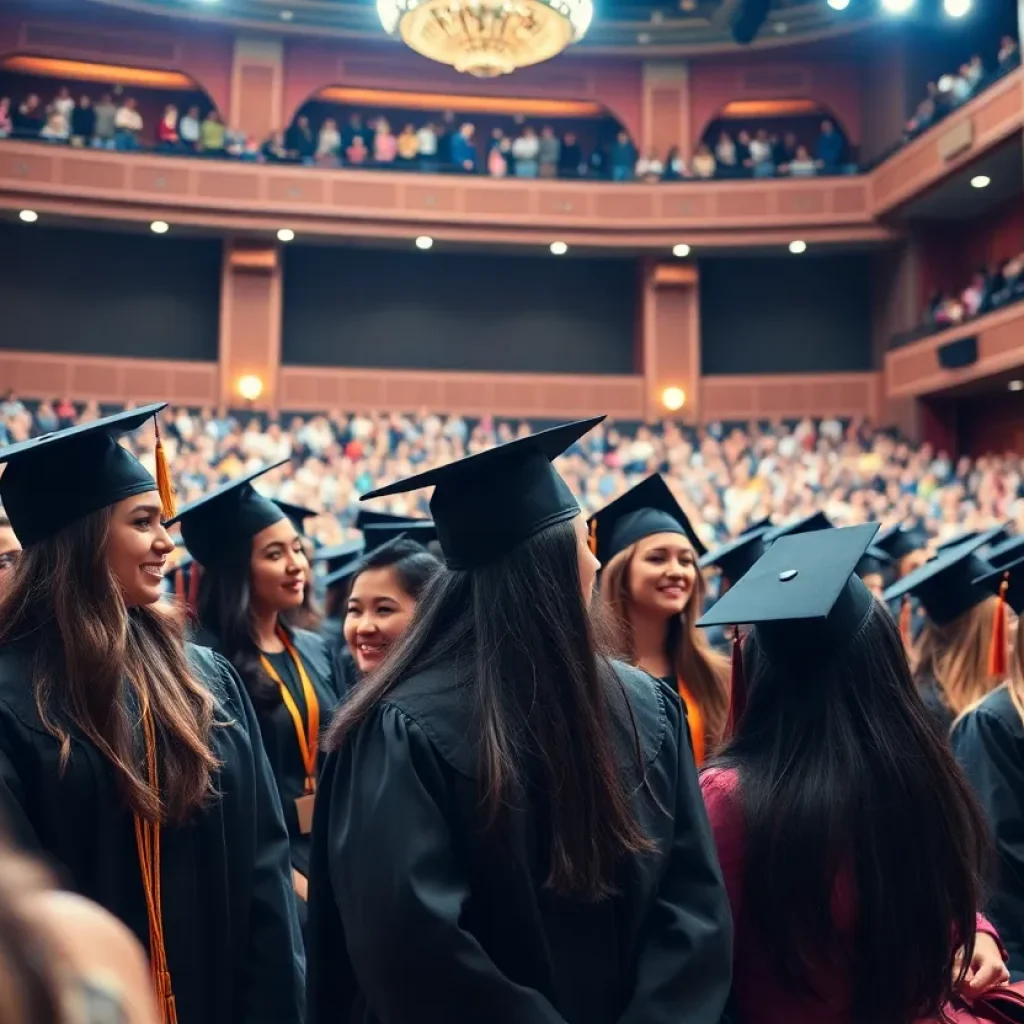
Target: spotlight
559,248
29,216
286,235
250,387
681,250
1016,385
839,5
673,399
424,242
898,6
159,227
797,247
957,8
981,181
286,15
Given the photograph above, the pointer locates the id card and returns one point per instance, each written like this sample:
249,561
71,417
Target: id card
304,809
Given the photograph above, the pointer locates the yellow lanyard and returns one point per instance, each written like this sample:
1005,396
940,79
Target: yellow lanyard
307,733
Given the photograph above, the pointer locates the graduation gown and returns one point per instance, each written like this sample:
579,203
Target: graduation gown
988,741
939,711
332,632
415,917
230,925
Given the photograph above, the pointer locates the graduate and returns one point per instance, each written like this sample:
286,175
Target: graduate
876,569
308,615
255,573
653,592
833,778
9,547
332,586
509,827
129,759
950,658
988,741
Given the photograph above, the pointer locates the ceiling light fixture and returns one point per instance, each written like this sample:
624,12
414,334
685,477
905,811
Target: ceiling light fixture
424,242
558,248
839,5
898,6
285,235
29,216
681,250
981,181
1016,385
673,398
159,227
797,247
957,8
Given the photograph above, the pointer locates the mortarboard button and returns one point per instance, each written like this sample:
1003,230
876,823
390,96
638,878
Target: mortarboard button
788,574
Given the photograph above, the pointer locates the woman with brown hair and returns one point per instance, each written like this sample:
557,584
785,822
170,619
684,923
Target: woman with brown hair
652,591
128,757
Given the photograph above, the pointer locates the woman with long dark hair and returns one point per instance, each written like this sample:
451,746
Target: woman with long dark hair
255,575
653,592
128,757
988,741
509,826
833,779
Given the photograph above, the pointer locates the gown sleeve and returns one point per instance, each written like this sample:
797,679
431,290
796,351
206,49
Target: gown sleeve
400,890
275,992
684,971
13,818
987,752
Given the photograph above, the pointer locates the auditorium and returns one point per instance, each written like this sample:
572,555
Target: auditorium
511,512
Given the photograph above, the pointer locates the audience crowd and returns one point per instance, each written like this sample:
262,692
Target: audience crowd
733,474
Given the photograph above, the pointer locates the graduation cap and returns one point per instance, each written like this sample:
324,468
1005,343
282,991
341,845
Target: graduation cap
956,540
874,562
898,541
945,585
217,524
344,572
59,478
1007,583
298,514
1008,551
371,517
809,524
736,558
487,504
423,531
644,510
332,558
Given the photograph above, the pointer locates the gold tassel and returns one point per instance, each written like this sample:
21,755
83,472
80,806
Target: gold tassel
997,653
164,484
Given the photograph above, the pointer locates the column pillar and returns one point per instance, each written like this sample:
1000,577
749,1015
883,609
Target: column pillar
670,343
257,86
666,108
250,321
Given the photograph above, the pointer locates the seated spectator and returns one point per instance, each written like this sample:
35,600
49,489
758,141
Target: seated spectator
128,125
725,156
525,151
597,164
299,140
830,149
549,152
785,150
1009,53
56,128
167,130
744,164
83,122
105,131
675,166
649,168
273,150
426,145
189,130
463,151
385,145
64,103
761,162
252,152
236,142
703,163
212,134
975,74
623,158
28,118
957,85
408,147
6,124
570,160
499,150
357,153
802,166
328,143
972,295
354,126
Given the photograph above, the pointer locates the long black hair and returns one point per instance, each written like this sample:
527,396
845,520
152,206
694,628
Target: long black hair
844,779
516,633
223,609
412,564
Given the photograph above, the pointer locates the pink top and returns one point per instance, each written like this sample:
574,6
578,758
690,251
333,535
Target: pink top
760,997
384,148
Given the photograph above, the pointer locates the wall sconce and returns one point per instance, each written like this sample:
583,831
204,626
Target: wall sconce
673,399
250,387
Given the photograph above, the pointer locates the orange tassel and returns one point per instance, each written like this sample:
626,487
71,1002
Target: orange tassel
164,484
905,623
592,537
997,660
738,696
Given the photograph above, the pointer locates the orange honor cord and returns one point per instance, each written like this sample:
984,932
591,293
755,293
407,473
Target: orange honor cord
695,721
997,653
147,841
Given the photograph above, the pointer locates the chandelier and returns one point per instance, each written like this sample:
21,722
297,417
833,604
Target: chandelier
487,38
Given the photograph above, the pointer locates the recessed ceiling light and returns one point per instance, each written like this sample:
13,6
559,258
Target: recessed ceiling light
981,181
1016,385
681,250
559,248
797,247
957,8
643,38
897,6
781,28
285,235
424,242
286,15
159,227
29,216
839,5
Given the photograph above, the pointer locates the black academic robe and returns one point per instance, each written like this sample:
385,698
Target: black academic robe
416,918
332,632
989,744
231,930
938,710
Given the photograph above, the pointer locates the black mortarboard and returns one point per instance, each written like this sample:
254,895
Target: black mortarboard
298,514
225,519
736,558
423,531
54,480
644,510
956,540
488,503
802,596
809,524
340,576
371,517
337,555
898,541
874,562
945,585
1008,551
1013,574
